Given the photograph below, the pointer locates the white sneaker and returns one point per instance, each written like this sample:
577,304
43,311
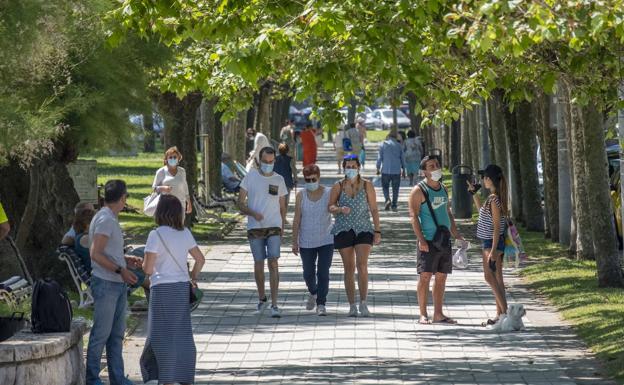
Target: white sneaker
353,311
364,310
275,312
311,302
320,310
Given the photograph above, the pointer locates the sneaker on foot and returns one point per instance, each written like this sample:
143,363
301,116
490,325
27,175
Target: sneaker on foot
388,204
394,209
275,312
127,381
353,311
364,310
311,302
261,304
320,310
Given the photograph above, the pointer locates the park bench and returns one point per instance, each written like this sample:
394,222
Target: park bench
82,276
16,289
79,273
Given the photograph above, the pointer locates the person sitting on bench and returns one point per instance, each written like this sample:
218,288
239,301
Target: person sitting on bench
231,182
69,238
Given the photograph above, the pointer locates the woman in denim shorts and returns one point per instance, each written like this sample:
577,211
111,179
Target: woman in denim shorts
491,231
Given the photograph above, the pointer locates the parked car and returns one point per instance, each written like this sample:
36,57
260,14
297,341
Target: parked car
372,123
385,115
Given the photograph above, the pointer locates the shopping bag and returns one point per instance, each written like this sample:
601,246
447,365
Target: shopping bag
149,204
460,258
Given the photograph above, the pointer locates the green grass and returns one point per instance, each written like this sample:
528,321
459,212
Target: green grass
597,314
376,136
138,173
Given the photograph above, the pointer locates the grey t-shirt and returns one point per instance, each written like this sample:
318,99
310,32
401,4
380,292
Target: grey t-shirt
105,222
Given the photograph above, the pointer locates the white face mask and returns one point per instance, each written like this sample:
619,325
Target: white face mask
436,175
172,162
312,186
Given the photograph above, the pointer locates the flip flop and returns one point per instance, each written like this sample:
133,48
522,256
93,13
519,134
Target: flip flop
426,321
446,320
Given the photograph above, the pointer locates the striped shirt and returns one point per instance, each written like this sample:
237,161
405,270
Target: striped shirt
485,226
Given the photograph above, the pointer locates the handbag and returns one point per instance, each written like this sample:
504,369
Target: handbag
195,294
150,203
442,237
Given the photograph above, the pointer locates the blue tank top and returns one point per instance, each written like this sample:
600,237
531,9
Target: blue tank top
439,203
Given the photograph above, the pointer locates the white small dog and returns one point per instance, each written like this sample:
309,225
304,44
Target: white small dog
512,321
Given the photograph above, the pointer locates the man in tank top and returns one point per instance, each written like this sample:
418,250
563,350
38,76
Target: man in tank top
429,204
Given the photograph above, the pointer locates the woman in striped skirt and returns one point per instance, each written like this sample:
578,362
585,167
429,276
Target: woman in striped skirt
169,353
491,231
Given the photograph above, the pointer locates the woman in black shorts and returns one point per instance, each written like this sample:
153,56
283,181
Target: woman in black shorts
353,201
491,231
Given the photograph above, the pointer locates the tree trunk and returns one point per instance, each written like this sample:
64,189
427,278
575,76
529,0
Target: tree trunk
262,119
584,244
455,144
466,155
149,136
601,212
446,147
527,147
180,131
499,140
547,133
515,176
415,119
484,135
43,220
213,146
564,188
233,131
474,138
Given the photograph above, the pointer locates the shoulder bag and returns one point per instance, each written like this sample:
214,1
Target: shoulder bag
442,237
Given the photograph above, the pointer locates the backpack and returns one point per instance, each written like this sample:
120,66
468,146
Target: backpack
346,144
51,310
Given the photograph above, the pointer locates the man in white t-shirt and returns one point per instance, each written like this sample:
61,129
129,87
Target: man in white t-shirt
262,198
338,147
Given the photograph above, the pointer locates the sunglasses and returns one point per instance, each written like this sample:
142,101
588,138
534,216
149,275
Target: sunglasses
310,180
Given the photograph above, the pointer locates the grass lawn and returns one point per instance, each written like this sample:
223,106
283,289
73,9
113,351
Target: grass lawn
138,172
596,313
376,136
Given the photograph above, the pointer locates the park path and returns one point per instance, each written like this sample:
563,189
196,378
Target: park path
237,346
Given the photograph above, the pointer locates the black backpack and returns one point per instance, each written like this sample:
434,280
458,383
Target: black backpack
51,310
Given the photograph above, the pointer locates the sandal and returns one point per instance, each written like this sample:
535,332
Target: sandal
424,320
489,322
446,320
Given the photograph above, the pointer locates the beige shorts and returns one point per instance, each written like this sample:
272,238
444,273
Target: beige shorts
339,154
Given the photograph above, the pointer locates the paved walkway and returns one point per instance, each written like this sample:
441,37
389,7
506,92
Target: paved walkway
237,346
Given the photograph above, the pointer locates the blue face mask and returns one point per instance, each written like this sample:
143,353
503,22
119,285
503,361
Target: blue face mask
312,186
351,173
172,162
266,168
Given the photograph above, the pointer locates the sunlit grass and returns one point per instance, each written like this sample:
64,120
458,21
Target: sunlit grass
572,286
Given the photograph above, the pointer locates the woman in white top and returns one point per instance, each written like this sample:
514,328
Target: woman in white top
260,142
312,237
169,353
171,179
